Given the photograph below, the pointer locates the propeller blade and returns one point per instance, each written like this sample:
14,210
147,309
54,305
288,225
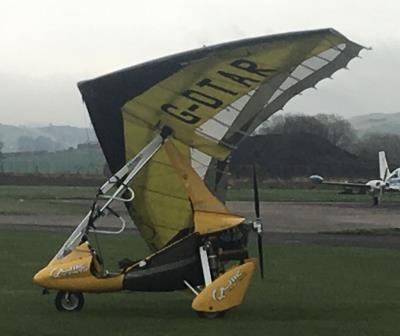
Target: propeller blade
260,254
256,196
258,223
385,175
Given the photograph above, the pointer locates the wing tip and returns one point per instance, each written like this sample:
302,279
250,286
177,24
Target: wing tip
316,179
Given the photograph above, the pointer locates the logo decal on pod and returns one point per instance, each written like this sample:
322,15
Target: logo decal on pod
218,294
66,272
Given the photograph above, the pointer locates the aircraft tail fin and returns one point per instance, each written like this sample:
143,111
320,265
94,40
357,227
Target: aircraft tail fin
384,171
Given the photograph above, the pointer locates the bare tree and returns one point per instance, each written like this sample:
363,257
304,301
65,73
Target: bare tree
331,127
340,132
296,123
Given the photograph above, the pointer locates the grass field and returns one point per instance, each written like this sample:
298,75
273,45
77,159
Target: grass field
308,290
85,160
75,200
27,200
306,195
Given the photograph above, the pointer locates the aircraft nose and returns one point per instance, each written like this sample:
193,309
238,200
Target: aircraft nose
40,278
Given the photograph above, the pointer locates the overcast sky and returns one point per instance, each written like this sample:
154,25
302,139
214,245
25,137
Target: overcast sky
46,47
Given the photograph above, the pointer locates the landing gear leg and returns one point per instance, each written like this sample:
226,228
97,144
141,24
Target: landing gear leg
376,200
69,301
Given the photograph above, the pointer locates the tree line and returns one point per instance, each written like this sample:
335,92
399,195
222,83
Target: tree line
337,131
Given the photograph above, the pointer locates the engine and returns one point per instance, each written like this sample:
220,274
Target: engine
376,185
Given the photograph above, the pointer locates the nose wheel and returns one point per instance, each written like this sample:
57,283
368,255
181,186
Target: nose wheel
69,301
211,315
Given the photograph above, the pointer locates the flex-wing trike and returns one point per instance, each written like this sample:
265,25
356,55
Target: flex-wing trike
209,258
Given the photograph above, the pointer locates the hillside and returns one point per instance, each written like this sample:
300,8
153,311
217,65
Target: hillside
283,156
55,137
86,159
297,155
377,123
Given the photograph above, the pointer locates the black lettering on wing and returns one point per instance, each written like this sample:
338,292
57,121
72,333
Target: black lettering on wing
202,98
206,82
186,116
244,81
251,67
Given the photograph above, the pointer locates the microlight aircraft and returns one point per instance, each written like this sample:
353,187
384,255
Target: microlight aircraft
167,128
388,181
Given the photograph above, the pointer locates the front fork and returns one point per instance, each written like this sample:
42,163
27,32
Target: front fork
212,255
222,290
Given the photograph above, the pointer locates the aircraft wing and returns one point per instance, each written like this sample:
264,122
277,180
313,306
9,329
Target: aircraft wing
212,98
320,180
348,184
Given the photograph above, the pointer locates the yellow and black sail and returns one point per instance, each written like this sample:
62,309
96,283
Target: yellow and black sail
212,98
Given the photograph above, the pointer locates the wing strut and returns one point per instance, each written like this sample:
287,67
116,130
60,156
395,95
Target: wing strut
121,180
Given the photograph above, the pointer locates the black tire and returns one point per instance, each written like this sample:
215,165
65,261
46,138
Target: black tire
211,315
69,301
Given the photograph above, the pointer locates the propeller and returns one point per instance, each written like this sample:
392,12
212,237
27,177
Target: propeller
385,175
381,188
257,224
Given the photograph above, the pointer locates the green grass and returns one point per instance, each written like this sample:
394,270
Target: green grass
27,200
80,160
308,290
305,195
46,192
56,200
42,207
369,232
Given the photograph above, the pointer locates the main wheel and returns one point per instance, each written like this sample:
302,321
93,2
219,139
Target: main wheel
69,301
211,315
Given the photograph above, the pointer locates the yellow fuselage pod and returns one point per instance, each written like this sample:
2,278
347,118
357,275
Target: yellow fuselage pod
73,273
226,291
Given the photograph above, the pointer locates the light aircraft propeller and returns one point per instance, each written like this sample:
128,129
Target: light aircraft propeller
377,200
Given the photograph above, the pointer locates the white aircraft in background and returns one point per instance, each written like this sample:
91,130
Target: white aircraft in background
388,181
